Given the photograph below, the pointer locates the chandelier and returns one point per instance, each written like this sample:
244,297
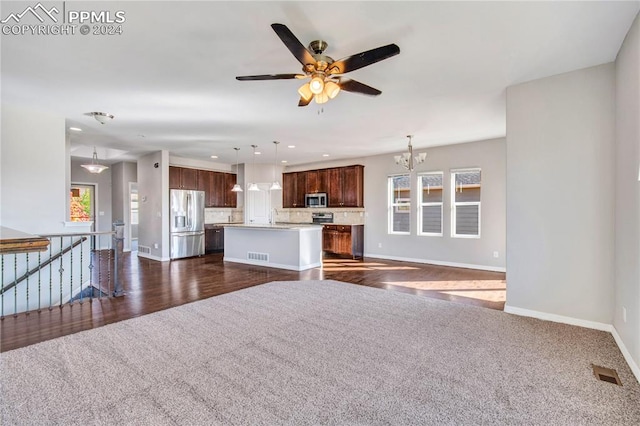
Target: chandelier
407,159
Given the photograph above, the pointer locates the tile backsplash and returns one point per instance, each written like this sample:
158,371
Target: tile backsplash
343,216
222,215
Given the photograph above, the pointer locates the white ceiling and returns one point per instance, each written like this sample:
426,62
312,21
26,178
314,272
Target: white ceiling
169,79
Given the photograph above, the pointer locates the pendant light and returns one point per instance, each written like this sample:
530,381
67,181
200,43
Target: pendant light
253,186
236,187
94,167
275,185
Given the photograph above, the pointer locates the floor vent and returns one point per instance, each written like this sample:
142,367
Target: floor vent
606,374
144,249
260,257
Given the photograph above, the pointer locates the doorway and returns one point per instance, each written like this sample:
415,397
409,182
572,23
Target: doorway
133,216
82,203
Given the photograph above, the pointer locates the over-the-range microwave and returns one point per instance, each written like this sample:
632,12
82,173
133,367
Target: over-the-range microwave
315,200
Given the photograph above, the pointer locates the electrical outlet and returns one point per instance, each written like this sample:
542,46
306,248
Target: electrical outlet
345,214
360,214
379,245
155,245
100,213
624,314
496,254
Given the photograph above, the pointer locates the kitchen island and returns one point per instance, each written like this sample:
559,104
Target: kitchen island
295,247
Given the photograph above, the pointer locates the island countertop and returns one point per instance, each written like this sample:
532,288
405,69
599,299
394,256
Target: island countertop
274,226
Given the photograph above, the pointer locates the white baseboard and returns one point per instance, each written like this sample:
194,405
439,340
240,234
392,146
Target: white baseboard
272,265
557,318
581,323
625,352
438,262
152,257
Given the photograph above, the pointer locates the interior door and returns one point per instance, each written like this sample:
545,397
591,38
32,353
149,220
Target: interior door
258,206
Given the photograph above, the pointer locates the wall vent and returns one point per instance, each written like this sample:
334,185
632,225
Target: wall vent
259,257
606,374
144,249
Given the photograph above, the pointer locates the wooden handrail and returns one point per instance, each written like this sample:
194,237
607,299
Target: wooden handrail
42,265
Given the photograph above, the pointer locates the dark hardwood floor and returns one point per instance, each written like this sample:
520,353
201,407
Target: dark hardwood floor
153,286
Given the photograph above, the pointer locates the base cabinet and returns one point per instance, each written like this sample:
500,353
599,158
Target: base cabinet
213,239
345,240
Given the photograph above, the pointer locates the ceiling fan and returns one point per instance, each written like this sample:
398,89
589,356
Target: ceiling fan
325,73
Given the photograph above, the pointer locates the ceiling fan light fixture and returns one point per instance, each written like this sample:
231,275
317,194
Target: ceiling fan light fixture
321,98
331,89
316,85
305,92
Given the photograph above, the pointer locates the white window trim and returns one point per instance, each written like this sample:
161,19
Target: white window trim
391,206
421,205
467,203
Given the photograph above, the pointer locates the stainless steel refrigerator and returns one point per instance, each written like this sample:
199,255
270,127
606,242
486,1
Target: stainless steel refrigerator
187,223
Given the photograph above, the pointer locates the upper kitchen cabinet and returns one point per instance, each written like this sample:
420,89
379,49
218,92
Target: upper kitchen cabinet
183,178
346,186
317,181
217,188
293,189
230,197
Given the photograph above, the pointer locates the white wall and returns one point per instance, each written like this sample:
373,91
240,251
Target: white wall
627,194
471,252
122,174
34,186
560,195
153,196
102,182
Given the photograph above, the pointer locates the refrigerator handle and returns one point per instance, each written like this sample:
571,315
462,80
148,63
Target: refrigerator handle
189,210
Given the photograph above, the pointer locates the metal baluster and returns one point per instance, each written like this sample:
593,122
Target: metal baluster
81,282
50,274
71,269
91,256
27,269
39,281
61,270
109,273
15,285
2,287
99,273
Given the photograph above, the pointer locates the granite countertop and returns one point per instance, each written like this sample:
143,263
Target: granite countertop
273,226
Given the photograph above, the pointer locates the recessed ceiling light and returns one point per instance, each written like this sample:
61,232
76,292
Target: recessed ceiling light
283,161
291,146
325,155
257,153
77,129
214,156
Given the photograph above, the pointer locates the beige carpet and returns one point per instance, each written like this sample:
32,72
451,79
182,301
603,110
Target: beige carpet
320,352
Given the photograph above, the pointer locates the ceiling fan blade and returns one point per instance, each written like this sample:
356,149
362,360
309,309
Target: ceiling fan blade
302,102
270,77
362,59
356,87
293,44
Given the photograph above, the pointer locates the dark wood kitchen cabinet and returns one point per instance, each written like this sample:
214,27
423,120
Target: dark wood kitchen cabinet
213,239
183,178
294,189
346,186
347,240
217,189
230,197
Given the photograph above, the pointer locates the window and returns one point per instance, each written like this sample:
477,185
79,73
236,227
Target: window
465,205
430,204
399,204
